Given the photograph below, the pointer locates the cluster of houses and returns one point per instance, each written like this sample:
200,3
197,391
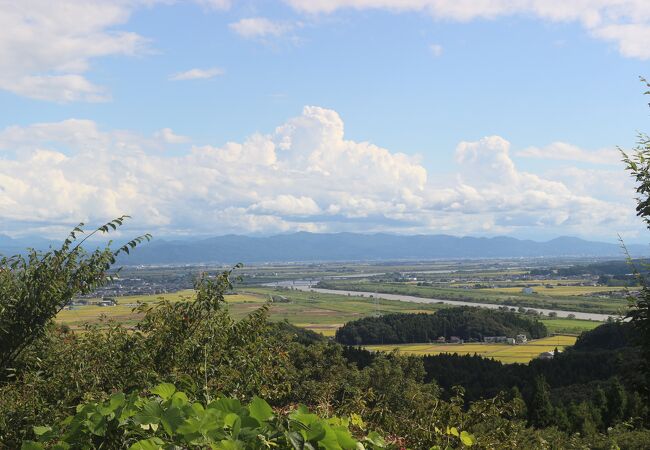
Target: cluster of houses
104,301
519,339
451,340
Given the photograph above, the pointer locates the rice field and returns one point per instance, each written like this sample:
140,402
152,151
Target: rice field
505,353
124,312
559,290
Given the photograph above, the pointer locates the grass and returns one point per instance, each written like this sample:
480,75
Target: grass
569,326
501,352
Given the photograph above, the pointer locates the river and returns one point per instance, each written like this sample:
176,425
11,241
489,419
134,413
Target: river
307,286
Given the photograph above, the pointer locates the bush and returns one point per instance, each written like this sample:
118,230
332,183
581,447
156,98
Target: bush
168,419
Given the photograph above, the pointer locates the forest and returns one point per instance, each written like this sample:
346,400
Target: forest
467,323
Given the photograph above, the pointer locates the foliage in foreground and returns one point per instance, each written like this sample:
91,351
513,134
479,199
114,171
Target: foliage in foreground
33,289
168,420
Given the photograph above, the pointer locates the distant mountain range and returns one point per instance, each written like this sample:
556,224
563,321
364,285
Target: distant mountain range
304,247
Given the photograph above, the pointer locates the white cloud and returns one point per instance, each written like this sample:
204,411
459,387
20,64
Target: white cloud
305,175
46,47
168,136
436,50
214,4
260,27
197,74
623,22
568,152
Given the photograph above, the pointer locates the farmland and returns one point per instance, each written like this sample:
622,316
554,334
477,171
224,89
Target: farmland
581,298
323,313
500,352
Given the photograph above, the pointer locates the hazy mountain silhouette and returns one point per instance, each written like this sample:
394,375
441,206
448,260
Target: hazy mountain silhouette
303,247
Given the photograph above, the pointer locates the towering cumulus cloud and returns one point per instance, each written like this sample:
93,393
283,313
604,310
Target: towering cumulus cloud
305,175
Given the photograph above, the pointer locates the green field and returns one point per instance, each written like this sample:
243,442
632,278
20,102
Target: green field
501,352
320,312
569,326
582,298
556,290
323,313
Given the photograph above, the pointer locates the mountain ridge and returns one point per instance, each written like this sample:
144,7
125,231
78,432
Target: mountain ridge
346,246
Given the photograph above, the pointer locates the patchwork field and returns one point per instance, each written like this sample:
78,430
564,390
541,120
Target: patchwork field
502,352
573,298
323,313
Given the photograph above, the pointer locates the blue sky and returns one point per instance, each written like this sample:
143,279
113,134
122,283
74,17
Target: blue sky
427,117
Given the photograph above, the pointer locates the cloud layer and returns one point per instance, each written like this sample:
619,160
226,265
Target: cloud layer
305,175
626,23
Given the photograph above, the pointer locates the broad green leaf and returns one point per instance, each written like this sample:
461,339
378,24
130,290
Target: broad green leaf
153,443
179,399
375,439
329,441
466,438
226,405
344,438
39,431
151,413
260,410
453,431
97,424
60,446
171,419
164,390
31,445
230,445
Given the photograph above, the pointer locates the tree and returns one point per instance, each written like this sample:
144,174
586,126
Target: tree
540,410
616,402
34,288
638,164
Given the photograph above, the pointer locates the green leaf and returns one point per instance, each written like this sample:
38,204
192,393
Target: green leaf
154,443
466,438
226,405
97,424
344,438
164,390
453,431
375,439
38,431
179,399
171,419
260,410
296,440
329,441
230,445
31,445
151,413
60,446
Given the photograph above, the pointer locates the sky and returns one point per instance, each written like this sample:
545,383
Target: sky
210,117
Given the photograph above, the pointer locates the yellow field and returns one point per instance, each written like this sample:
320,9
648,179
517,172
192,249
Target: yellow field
501,352
123,312
558,290
324,329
